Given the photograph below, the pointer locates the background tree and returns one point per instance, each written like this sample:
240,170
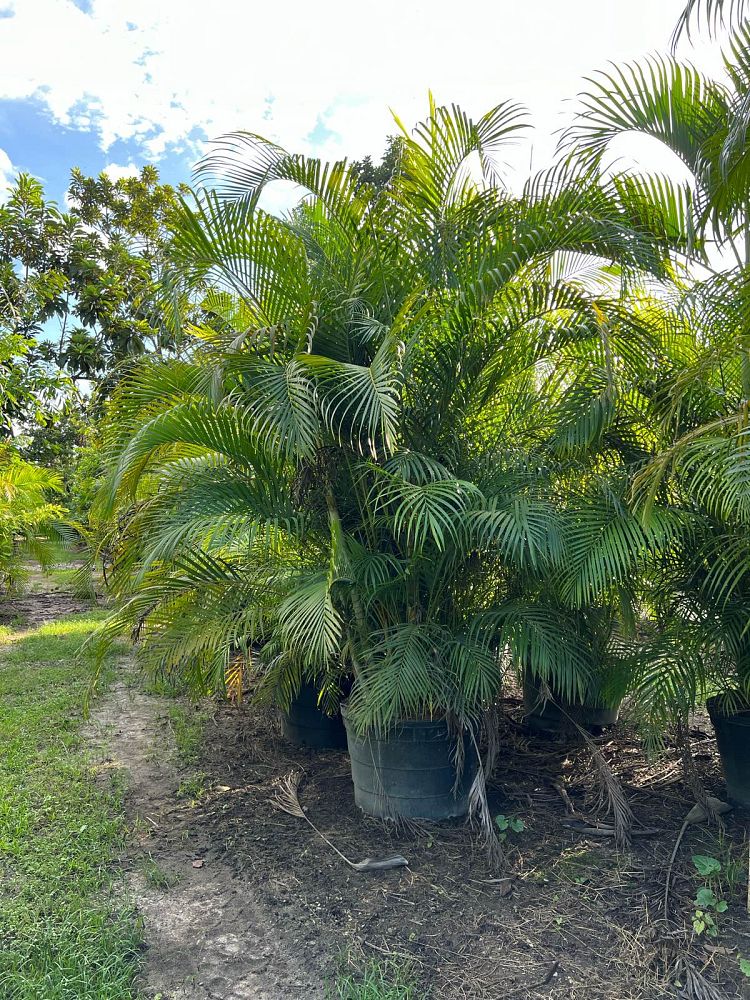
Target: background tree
378,175
27,516
78,297
28,385
83,281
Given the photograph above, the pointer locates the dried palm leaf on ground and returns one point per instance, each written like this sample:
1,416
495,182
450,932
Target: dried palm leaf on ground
286,798
479,808
700,813
611,792
696,986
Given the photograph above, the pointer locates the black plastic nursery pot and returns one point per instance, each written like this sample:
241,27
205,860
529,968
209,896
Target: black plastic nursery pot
307,725
733,740
410,772
560,716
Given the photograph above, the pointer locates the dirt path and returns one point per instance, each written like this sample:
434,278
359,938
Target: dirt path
208,938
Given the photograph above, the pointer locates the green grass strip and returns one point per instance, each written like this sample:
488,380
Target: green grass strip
65,931
386,980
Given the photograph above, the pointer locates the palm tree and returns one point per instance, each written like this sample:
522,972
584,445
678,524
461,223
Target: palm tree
701,395
396,445
714,14
27,516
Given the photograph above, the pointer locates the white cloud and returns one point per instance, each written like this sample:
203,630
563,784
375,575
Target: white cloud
7,173
166,75
116,171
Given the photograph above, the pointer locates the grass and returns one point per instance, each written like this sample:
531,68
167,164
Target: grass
158,877
377,981
187,725
193,787
65,933
63,576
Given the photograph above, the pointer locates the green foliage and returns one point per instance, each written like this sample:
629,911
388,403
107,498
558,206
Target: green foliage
91,272
507,825
187,725
157,876
379,175
55,438
387,980
697,399
371,461
65,931
706,865
193,787
84,481
29,385
27,516
713,14
708,905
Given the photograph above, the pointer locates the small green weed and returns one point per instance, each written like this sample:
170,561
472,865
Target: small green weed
161,685
707,903
63,576
193,787
507,825
158,877
377,981
188,724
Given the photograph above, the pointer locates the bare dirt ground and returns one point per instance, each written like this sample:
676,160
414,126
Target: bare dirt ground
37,609
208,936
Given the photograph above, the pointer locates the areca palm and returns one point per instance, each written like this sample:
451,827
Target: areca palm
27,516
702,394
714,14
362,459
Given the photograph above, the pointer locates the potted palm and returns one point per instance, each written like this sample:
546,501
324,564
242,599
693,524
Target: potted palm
699,396
310,722
353,456
702,652
606,631
597,704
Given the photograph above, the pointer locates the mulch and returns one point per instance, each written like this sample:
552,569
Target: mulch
569,915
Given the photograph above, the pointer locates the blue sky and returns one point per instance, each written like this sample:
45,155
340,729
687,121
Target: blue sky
36,143
117,83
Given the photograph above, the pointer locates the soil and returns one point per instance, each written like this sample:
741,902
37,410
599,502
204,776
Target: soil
568,916
37,609
260,906
209,935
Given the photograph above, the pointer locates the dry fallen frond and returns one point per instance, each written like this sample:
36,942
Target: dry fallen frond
286,795
617,803
696,987
286,798
234,679
611,794
479,812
